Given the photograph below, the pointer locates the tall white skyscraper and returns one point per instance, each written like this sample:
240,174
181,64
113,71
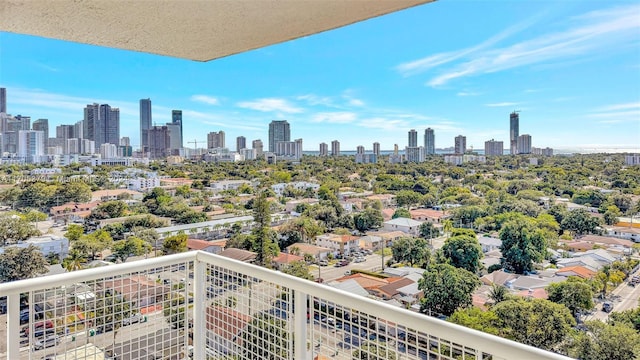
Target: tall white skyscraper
429,142
31,145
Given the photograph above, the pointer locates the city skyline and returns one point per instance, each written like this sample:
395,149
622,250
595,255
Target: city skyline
466,83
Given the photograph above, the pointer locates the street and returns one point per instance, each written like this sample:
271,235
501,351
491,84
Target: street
624,297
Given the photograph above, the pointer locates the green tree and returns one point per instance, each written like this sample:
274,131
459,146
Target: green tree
74,261
605,342
374,351
576,295
428,231
109,210
407,198
14,228
629,317
74,232
522,245
175,244
299,269
368,219
463,251
498,293
608,277
580,222
266,337
264,238
536,322
132,246
35,216
414,251
475,318
611,215
401,213
21,263
446,288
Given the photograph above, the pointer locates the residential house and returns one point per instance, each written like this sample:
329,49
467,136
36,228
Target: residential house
318,252
73,211
579,271
408,226
292,204
48,245
387,200
532,282
285,259
350,286
223,185
339,244
297,185
585,261
239,254
498,277
224,330
213,247
489,243
600,255
115,194
629,233
140,290
370,242
433,216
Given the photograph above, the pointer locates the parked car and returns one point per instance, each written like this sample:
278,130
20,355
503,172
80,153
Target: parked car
40,325
607,307
359,259
45,342
134,318
323,263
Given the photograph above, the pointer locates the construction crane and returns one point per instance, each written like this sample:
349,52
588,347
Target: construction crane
195,143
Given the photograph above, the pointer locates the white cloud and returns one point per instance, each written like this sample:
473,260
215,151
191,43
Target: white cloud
617,113
383,123
206,99
626,106
594,32
468,93
502,104
334,117
356,102
270,105
315,100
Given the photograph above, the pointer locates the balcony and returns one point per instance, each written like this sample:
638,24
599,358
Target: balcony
202,306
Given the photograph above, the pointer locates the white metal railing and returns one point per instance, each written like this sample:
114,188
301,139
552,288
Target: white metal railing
202,306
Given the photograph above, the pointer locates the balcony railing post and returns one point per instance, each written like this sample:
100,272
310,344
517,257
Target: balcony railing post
300,325
199,311
13,326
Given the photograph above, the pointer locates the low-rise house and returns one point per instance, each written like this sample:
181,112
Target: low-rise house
285,259
213,247
430,215
140,290
370,242
350,286
498,277
388,236
539,293
73,211
408,226
318,252
585,261
600,255
629,233
577,246
48,245
115,194
607,241
391,290
223,185
489,243
239,254
387,200
532,282
225,327
292,204
579,271
296,185
339,244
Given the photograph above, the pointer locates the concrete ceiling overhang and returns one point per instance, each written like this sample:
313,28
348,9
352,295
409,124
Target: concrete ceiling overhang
192,29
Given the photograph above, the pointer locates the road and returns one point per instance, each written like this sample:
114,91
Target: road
624,297
330,273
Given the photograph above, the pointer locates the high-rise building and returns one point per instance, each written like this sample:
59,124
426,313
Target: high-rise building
278,131
23,122
101,124
174,138
258,146
493,148
78,130
3,100
241,143
42,125
376,148
159,142
324,149
125,141
360,149
145,123
413,138
31,145
335,148
65,132
514,132
414,154
460,144
524,144
176,119
291,150
429,142
215,140
108,151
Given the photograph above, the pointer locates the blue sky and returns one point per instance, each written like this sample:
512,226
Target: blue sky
460,67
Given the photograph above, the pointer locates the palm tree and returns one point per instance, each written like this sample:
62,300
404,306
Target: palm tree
498,293
447,226
74,261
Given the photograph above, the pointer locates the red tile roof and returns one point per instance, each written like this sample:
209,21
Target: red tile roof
578,270
225,322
